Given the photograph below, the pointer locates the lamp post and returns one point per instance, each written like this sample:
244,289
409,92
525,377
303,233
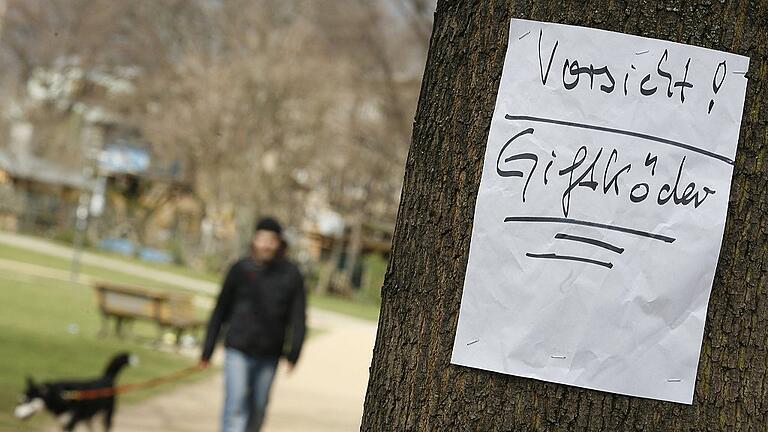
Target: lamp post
87,193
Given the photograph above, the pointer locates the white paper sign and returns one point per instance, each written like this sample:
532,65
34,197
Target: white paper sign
601,210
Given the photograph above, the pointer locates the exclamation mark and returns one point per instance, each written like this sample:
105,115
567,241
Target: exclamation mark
715,85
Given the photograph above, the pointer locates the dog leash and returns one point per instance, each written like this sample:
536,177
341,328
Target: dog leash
105,392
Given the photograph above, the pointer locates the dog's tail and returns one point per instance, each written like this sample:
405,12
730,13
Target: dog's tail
117,364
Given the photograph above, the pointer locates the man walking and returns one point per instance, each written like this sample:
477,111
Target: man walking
262,303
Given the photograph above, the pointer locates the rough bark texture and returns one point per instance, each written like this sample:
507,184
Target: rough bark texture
412,384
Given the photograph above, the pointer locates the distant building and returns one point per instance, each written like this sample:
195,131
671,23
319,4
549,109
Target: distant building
38,195
65,142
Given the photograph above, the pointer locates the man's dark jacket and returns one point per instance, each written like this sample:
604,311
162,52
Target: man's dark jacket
260,305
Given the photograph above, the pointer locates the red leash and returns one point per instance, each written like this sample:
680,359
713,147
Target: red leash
106,392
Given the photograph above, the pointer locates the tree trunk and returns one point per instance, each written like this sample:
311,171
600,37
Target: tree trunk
413,386
354,247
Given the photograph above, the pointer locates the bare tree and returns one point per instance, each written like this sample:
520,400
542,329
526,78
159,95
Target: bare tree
262,101
413,386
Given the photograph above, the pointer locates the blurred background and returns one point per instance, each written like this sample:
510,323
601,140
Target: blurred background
139,142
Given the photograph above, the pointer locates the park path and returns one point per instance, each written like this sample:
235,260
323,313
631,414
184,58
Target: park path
325,392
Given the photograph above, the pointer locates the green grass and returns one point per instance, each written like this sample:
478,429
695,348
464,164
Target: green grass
64,238
39,315
366,311
37,339
363,310
170,268
61,263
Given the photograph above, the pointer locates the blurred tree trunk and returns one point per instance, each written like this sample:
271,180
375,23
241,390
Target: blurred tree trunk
354,247
412,385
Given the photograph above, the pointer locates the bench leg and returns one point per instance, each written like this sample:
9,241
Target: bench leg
104,327
119,327
179,334
123,327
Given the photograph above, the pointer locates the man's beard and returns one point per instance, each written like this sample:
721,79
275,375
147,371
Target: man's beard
266,259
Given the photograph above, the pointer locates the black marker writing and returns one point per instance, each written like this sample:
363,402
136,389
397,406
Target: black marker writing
667,75
551,57
715,84
580,173
528,156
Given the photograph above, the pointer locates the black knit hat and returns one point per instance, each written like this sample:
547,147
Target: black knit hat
269,224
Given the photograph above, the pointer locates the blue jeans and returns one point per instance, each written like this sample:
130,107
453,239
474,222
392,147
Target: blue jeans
247,381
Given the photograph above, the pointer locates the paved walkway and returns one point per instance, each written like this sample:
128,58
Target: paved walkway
324,393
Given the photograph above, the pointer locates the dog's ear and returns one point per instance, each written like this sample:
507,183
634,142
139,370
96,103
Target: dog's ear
30,382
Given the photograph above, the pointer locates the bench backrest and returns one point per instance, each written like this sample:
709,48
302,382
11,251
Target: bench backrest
137,302
129,301
179,307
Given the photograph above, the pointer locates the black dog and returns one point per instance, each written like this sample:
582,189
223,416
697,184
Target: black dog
52,397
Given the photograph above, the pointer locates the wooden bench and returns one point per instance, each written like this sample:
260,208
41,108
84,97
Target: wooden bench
178,312
125,304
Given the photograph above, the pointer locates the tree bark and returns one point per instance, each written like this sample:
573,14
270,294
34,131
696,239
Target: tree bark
412,385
